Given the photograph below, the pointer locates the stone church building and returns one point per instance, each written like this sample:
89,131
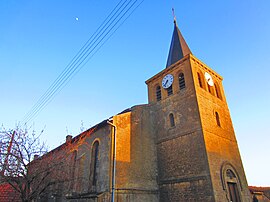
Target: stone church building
181,146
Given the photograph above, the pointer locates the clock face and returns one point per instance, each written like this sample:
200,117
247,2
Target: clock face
209,79
167,81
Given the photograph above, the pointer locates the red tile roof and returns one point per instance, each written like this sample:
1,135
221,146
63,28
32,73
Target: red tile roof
8,194
255,189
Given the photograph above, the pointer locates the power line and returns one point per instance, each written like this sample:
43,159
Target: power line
94,43
70,65
66,73
82,58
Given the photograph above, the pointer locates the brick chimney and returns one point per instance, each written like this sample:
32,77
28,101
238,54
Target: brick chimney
68,138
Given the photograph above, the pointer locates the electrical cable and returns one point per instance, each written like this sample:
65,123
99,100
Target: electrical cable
78,60
69,67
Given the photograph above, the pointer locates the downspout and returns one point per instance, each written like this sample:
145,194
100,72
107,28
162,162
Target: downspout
114,159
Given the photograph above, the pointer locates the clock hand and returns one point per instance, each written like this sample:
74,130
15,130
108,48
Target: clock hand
166,83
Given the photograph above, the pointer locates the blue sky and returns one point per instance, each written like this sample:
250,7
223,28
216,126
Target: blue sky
39,38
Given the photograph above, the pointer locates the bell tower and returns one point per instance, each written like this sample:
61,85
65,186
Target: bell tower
198,155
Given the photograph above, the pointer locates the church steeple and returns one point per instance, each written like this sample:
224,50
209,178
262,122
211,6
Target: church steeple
178,48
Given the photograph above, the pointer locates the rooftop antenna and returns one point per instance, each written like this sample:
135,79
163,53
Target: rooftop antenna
67,130
82,127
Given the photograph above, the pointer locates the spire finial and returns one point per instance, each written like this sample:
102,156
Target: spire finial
174,18
179,47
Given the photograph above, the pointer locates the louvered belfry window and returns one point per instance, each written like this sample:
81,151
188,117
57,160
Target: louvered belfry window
170,90
158,93
181,80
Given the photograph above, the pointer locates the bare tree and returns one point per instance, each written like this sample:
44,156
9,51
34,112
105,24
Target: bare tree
26,165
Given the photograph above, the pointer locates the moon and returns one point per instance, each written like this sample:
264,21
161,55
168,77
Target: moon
77,18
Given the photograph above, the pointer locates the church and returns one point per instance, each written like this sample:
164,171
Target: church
181,146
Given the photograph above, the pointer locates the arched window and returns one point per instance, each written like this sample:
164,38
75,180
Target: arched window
217,91
181,80
217,119
200,79
170,90
158,93
94,163
172,123
210,89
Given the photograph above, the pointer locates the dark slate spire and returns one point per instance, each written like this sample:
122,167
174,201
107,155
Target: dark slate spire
179,47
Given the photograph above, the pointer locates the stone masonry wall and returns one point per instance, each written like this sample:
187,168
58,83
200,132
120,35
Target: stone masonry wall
182,161
220,141
136,170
